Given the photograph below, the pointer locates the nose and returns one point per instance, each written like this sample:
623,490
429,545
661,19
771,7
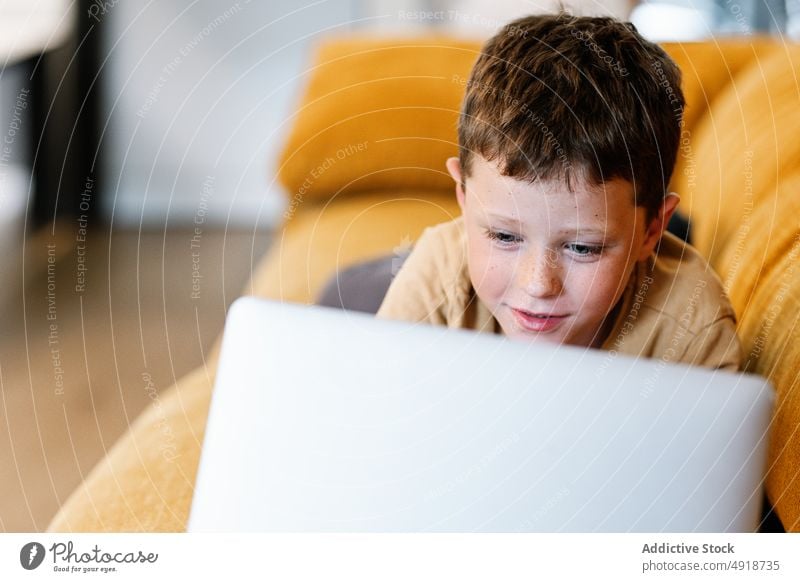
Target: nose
539,274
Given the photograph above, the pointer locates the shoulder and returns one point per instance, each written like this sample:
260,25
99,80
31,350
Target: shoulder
677,311
684,288
434,279
443,247
440,257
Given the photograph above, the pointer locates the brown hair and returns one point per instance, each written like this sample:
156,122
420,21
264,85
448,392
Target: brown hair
559,96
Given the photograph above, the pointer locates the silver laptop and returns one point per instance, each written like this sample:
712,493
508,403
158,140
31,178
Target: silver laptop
330,421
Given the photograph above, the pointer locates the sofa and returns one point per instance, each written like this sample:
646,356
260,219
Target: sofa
363,168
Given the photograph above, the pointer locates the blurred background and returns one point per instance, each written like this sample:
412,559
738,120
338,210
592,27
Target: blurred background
137,190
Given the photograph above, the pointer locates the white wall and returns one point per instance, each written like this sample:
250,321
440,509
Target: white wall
197,95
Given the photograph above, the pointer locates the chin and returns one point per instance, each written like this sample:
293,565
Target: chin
517,334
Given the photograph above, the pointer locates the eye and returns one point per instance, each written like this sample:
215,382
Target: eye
584,250
503,238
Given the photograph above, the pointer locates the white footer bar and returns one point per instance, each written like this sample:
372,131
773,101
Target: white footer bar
400,557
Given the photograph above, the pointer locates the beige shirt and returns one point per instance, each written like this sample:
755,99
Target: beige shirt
673,308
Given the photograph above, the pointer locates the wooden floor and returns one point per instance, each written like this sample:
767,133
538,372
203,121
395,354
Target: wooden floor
87,331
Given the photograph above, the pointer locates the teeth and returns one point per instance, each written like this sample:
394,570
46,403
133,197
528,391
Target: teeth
534,315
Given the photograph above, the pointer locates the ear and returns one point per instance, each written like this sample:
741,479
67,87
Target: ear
659,224
454,169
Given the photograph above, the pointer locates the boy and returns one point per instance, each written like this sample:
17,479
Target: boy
568,136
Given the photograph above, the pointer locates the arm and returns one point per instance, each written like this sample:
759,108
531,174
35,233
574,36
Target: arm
715,346
415,293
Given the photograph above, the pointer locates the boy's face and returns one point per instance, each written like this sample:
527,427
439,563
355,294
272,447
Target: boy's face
549,263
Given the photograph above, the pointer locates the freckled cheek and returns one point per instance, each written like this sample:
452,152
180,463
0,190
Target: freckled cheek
490,272
600,286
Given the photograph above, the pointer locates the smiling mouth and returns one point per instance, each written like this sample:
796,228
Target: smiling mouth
538,322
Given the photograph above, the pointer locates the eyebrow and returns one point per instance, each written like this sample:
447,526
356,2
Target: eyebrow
592,230
586,230
505,219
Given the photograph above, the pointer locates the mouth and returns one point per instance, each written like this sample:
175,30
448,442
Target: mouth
538,322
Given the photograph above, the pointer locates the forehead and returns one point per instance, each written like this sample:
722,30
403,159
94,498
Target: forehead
494,192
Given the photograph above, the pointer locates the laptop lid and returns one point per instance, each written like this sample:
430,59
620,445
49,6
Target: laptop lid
330,421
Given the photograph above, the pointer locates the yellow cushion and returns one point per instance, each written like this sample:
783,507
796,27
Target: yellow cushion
377,115
381,113
761,268
327,237
770,332
708,67
762,239
744,147
146,482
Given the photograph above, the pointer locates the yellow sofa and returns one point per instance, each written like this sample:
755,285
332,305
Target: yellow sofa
364,168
